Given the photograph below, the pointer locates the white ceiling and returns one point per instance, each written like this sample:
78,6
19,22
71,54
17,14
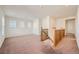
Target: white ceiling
37,11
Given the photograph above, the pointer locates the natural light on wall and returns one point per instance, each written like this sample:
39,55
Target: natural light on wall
2,25
29,24
22,24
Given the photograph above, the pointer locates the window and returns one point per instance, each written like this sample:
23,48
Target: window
2,25
0,28
12,24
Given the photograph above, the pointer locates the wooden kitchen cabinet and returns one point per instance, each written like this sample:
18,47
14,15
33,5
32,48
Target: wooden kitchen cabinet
59,34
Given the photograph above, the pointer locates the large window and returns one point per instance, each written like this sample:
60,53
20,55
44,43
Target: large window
2,25
12,23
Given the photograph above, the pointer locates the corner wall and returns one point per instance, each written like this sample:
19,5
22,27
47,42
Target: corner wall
2,27
77,27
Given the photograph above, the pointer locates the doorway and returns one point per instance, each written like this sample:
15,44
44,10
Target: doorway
70,27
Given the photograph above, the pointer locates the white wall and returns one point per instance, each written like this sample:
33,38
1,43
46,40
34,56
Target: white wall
36,27
77,28
23,27
60,23
51,30
2,25
45,22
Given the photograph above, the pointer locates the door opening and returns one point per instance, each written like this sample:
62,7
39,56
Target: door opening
70,27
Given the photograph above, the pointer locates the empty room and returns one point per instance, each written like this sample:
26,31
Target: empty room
39,29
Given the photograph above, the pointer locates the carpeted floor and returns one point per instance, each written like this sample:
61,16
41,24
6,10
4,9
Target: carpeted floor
31,44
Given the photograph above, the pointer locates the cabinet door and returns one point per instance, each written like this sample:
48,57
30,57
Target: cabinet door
62,33
59,34
57,37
